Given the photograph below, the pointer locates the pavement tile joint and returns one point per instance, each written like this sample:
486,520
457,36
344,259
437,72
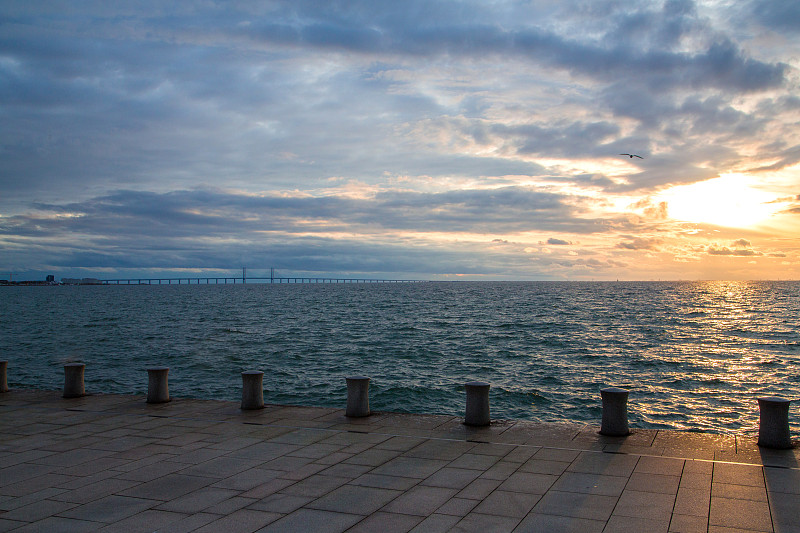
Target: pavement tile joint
114,463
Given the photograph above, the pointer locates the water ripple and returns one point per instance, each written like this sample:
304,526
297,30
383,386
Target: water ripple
695,355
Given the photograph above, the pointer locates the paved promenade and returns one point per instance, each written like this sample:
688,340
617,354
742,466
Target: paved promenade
115,463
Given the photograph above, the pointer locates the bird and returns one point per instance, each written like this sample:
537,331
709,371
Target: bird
633,155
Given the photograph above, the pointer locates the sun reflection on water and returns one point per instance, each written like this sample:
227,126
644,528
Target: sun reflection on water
727,365
695,355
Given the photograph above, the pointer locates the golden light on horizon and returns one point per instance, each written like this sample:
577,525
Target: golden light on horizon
730,200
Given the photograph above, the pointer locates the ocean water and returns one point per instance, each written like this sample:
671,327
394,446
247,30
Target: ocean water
695,355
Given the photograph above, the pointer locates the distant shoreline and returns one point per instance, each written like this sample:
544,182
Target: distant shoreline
348,281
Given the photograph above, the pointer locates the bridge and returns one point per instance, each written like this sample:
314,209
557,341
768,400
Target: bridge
235,280
224,280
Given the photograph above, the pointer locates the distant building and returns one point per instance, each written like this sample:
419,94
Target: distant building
50,279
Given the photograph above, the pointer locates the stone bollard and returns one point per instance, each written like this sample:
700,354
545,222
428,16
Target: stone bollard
157,385
615,412
3,376
477,404
252,389
357,396
773,423
73,380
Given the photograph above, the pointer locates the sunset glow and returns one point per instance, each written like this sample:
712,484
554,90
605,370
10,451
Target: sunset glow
406,139
729,201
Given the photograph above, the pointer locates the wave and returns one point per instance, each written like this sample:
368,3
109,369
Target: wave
546,348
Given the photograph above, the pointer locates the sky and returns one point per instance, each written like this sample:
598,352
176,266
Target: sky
450,140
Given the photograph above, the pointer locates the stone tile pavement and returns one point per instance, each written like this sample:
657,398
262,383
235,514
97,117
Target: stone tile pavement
115,463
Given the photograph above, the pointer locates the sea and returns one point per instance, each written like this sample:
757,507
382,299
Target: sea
694,355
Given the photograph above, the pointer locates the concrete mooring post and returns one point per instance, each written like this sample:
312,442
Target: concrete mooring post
157,385
3,376
773,423
73,380
477,404
615,412
357,396
252,390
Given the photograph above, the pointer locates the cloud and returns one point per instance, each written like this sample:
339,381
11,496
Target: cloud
639,243
200,134
208,213
144,99
454,30
786,157
783,14
736,252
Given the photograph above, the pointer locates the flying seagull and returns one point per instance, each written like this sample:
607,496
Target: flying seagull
633,155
